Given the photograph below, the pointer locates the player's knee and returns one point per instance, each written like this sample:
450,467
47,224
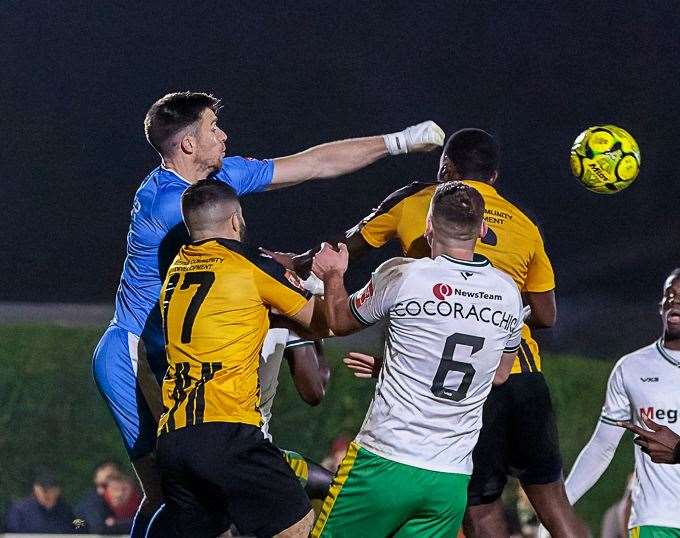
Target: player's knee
319,481
485,521
301,529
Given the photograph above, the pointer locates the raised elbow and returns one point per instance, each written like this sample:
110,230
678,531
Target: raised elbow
543,309
313,396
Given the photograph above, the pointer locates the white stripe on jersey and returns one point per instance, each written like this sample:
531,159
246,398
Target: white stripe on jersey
648,381
449,322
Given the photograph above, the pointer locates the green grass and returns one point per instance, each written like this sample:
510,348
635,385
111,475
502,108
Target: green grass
577,386
51,413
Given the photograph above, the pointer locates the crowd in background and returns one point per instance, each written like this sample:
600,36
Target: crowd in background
108,508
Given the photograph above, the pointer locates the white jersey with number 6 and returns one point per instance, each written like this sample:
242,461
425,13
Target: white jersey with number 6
448,323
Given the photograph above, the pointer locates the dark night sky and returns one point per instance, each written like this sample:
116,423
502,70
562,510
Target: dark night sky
77,78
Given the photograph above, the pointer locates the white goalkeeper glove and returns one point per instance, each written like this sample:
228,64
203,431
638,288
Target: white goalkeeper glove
425,136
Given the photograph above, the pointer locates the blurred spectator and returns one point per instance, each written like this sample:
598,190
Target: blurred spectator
615,519
92,510
123,498
339,447
43,512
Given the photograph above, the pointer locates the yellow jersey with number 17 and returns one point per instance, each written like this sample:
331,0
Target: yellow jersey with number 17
513,244
215,304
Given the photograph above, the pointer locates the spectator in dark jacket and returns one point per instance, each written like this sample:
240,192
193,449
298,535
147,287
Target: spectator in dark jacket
44,512
95,514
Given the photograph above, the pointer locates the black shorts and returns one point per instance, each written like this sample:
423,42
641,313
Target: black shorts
217,473
518,438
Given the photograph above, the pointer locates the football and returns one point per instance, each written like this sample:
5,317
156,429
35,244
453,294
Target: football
605,159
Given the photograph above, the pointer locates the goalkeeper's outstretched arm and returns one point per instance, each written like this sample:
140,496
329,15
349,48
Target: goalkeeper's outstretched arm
346,156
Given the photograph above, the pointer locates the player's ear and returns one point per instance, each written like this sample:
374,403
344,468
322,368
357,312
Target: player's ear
493,177
444,169
188,143
428,230
483,229
235,222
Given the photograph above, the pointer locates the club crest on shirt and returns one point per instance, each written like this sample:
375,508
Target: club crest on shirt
293,279
364,295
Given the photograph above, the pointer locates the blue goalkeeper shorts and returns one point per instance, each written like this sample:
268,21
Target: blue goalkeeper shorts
116,369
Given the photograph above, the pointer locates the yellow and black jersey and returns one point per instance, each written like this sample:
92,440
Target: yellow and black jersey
513,244
215,304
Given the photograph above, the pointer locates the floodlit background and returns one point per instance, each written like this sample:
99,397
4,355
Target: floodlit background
76,79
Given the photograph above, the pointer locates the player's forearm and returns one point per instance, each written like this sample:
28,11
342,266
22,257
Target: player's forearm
309,377
340,319
328,160
593,460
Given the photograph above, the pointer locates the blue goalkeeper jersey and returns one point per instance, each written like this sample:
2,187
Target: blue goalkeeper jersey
156,233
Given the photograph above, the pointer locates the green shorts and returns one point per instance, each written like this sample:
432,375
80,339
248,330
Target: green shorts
376,497
650,531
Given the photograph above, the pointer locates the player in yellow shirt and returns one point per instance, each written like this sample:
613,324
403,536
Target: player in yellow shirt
519,435
215,304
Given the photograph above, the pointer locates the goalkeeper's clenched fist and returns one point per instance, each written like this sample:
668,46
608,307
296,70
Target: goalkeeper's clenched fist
425,136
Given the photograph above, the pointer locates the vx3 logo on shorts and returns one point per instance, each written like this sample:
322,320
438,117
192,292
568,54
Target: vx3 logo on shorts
649,379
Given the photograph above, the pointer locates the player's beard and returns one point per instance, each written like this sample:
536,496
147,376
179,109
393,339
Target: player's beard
671,335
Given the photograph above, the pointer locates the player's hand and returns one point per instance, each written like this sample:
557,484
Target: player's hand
425,136
363,366
284,258
661,443
328,260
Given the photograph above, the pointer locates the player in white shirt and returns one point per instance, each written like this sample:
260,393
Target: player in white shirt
452,320
309,369
310,374
645,383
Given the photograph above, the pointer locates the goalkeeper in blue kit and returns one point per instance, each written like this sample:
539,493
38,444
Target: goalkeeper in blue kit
182,128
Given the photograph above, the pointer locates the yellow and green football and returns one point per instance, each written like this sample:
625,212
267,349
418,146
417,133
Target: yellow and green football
605,159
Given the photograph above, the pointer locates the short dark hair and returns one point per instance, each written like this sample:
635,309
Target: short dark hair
45,477
674,274
107,463
172,113
201,197
474,153
457,210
